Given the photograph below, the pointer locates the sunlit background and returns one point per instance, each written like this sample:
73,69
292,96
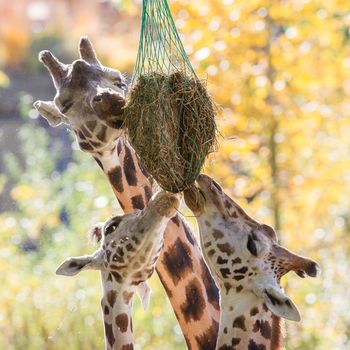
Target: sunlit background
280,71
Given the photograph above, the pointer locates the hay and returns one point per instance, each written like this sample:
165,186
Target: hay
170,120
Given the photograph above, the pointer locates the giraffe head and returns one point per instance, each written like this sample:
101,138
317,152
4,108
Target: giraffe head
129,245
244,255
90,98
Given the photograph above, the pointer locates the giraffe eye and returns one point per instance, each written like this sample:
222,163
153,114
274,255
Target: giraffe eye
251,246
112,225
120,84
110,229
217,185
66,106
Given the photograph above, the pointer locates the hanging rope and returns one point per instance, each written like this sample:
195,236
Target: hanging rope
169,116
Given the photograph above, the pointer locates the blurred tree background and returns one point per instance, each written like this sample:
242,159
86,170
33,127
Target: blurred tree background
281,72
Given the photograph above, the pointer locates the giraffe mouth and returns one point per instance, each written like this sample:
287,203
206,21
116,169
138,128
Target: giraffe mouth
195,199
201,193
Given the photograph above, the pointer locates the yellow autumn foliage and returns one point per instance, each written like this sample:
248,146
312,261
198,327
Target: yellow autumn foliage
280,71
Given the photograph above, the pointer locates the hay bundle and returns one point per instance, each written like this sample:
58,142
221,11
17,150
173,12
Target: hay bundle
170,120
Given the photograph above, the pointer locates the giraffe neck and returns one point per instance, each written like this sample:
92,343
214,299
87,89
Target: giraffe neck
116,306
129,182
180,267
246,323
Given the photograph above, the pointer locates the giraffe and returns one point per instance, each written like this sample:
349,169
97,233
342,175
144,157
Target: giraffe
89,99
130,247
247,263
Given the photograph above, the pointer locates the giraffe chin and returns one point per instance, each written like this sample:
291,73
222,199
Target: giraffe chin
166,203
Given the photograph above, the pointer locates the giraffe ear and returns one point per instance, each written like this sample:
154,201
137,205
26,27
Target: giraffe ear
95,234
280,305
73,266
49,111
87,51
144,292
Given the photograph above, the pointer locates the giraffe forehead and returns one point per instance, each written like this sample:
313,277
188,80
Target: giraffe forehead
80,69
83,77
235,233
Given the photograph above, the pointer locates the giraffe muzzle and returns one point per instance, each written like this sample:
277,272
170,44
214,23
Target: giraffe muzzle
108,103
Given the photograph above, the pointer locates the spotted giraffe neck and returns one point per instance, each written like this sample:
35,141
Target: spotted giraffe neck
181,268
116,305
129,182
246,324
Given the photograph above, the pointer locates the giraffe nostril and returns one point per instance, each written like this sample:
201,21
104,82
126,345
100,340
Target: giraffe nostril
97,99
313,269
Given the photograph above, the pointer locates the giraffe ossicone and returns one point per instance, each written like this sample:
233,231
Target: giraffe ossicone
247,263
129,248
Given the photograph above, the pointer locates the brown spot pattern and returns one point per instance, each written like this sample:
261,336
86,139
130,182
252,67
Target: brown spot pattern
210,287
137,202
129,168
127,296
122,321
129,247
239,277
241,270
239,288
226,347
226,248
148,192
98,162
176,220
236,261
116,276
211,252
101,135
85,146
119,148
235,341
193,307
239,322
109,334
254,346
116,179
189,234
106,310
177,261
207,340
264,328
225,273
227,286
221,261
254,311
217,234
111,297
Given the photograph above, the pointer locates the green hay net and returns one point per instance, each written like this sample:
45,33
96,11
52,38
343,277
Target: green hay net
169,116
